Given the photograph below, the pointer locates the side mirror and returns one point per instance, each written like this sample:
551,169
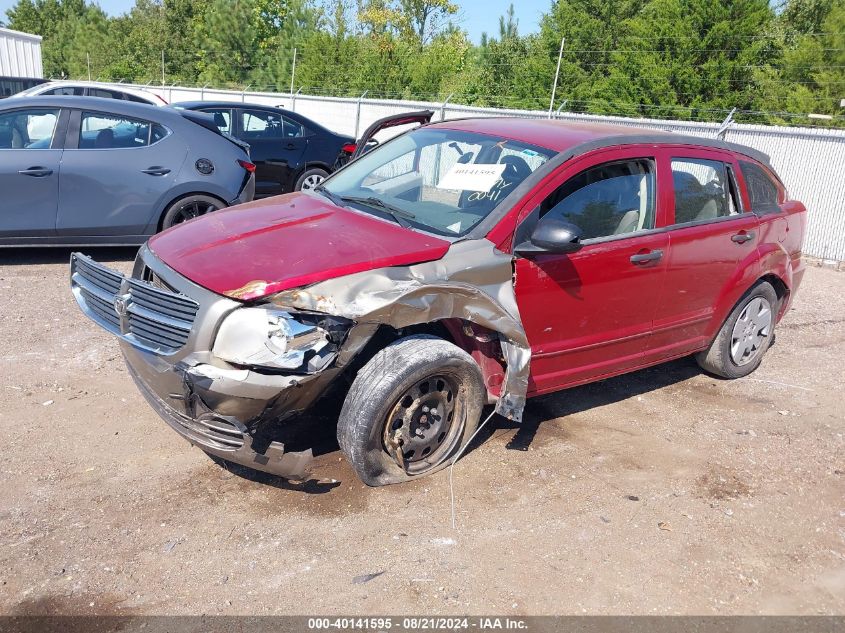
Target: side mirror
552,235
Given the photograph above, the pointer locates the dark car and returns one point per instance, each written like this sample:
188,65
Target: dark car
290,151
462,263
86,170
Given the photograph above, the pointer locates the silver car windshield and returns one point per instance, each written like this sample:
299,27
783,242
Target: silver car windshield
439,180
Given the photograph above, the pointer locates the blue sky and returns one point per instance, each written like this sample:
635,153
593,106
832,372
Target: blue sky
477,15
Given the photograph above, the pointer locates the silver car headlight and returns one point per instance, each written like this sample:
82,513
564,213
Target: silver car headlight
273,338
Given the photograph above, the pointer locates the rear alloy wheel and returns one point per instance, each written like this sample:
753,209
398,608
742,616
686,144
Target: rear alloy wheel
410,409
188,209
745,335
310,178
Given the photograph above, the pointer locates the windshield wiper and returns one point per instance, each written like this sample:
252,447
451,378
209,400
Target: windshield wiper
336,199
371,201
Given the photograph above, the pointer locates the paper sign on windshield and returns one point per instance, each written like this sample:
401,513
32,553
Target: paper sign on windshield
472,177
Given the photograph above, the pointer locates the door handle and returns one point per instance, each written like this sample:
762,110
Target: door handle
290,146
36,172
156,171
742,237
644,258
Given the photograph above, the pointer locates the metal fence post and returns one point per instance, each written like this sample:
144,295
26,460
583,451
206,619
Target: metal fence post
557,74
729,121
243,93
560,107
293,99
358,113
443,106
202,92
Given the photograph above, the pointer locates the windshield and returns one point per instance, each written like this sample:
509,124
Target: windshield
443,181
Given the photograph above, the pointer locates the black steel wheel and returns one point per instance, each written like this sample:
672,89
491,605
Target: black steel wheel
189,208
410,409
421,426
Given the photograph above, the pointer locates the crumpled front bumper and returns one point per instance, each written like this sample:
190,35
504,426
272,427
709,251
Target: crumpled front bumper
214,428
240,415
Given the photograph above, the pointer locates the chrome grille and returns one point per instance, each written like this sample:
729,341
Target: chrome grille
148,316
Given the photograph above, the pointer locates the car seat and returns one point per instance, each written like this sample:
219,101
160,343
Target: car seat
516,170
688,197
105,139
5,137
220,120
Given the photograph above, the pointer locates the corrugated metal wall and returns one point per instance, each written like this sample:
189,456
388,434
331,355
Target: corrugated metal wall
20,54
811,161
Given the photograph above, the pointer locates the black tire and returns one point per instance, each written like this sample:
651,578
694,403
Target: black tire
388,390
310,178
188,208
722,358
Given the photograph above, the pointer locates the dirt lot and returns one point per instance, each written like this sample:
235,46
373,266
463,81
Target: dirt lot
665,491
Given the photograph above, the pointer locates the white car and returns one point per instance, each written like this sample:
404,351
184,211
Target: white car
93,89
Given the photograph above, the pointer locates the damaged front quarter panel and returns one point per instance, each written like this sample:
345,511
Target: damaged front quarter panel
473,281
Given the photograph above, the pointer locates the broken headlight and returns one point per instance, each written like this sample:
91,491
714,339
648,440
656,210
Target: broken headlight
276,339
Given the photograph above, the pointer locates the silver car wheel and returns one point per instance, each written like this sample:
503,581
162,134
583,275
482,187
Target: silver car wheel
751,331
312,181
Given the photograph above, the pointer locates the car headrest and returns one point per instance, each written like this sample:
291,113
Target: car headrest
105,139
686,183
517,168
219,120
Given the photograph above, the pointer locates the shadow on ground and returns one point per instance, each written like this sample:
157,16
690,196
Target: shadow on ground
61,254
317,429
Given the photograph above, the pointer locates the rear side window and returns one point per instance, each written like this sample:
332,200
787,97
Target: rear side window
105,94
133,98
108,131
703,190
606,200
258,124
762,191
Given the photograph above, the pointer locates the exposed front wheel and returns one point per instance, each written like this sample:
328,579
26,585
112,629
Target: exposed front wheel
189,208
310,178
745,335
410,409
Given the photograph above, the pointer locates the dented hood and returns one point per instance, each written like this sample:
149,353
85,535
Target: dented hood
276,244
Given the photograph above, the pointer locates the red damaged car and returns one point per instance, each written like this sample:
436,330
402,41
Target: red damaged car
463,263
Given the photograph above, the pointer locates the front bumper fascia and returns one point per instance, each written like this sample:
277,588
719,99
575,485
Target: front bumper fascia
233,413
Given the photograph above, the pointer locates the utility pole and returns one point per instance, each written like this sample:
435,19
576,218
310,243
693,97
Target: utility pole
557,74
293,72
88,58
162,68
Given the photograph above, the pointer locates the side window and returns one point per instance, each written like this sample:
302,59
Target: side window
28,129
222,118
762,191
609,199
158,133
703,190
135,99
259,124
75,91
108,131
294,129
106,94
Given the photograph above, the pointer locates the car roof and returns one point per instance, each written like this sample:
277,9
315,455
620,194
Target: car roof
301,118
96,104
573,137
95,84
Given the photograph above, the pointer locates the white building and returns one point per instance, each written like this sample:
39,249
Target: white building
20,54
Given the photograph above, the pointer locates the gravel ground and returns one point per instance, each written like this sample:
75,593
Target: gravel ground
662,492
